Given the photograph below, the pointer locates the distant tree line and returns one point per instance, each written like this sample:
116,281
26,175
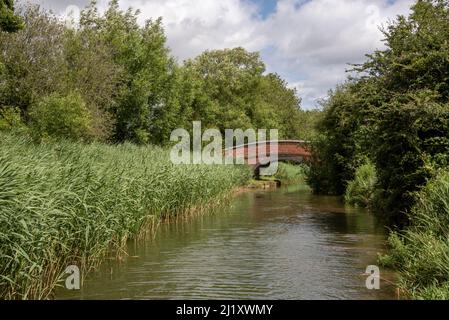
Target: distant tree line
111,79
393,115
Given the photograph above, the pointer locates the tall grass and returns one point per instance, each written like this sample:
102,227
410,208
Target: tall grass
421,252
70,203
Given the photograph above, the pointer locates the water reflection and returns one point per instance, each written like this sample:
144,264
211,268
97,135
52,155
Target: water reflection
283,244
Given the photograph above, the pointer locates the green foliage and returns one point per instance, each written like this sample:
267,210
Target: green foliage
10,120
361,190
92,73
398,116
279,107
396,113
132,86
147,69
306,125
340,147
417,53
9,22
58,117
68,203
290,173
411,129
421,252
235,93
33,64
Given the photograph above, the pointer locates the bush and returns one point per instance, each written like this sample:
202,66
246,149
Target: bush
395,111
59,116
411,130
10,120
290,173
361,190
9,22
421,252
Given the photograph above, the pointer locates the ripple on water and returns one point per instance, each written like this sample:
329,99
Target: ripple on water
284,244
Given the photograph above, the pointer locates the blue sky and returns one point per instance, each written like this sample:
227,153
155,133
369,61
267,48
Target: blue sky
308,42
266,7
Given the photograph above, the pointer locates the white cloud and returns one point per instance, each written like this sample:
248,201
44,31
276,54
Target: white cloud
311,41
308,42
319,38
195,26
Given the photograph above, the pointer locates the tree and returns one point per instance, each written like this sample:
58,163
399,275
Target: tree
34,63
9,22
342,141
240,95
396,113
413,116
92,73
146,69
58,117
279,107
231,78
131,86
417,52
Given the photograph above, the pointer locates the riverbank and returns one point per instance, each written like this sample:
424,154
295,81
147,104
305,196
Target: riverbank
420,252
70,203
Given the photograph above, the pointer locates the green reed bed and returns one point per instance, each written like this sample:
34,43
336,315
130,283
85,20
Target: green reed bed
70,203
420,253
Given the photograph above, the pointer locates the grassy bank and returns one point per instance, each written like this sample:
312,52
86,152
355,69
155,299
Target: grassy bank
70,203
420,253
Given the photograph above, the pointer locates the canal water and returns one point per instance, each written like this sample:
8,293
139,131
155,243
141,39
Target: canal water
281,244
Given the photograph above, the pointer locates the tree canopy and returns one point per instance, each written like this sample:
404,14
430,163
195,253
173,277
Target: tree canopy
131,85
396,112
9,22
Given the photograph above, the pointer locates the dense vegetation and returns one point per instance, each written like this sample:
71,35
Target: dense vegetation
361,190
291,173
75,103
122,84
9,22
73,99
421,252
67,203
395,113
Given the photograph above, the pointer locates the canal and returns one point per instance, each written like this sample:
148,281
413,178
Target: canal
281,244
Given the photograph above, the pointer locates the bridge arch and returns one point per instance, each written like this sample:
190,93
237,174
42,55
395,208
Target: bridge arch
287,150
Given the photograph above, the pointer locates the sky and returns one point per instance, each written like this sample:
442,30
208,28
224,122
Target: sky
309,43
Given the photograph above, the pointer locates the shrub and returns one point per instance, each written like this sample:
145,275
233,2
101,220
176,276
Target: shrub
360,191
290,173
10,120
59,116
410,130
421,252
